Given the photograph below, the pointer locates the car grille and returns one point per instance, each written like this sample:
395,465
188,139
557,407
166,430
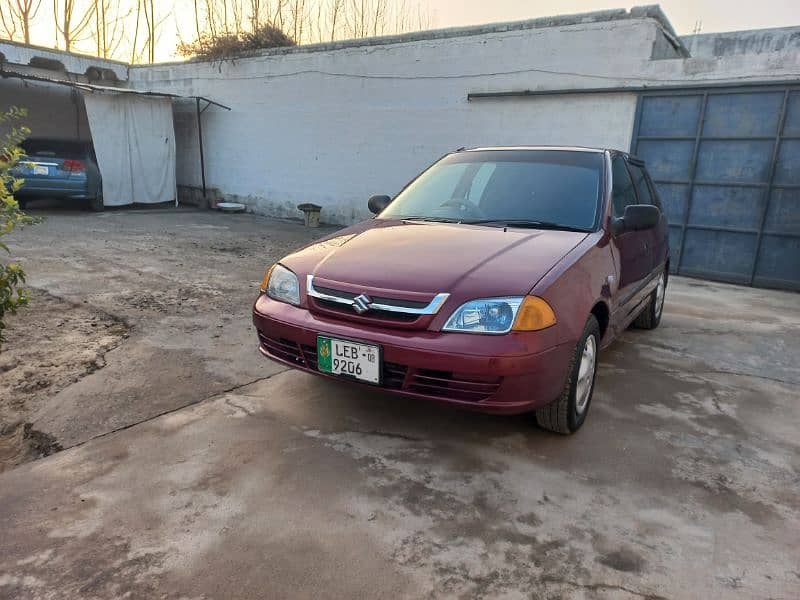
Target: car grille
372,314
436,384
378,299
301,355
388,311
444,384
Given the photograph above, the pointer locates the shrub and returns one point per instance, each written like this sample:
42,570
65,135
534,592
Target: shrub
12,276
229,45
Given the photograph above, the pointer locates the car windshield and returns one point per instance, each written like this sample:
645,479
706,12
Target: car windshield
545,188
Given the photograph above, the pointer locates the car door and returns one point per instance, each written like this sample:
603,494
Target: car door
658,235
633,251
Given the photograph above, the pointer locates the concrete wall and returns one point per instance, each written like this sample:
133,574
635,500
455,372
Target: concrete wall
54,111
731,43
20,54
335,125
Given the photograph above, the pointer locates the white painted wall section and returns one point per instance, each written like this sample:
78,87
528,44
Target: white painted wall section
335,126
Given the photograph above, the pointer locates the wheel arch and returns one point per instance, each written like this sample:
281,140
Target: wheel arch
603,315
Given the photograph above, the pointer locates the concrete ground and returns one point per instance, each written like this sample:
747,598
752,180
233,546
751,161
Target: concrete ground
193,468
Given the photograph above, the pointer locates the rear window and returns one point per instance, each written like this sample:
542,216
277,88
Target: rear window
56,148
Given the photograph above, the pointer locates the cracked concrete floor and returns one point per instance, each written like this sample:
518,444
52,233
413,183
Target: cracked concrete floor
684,483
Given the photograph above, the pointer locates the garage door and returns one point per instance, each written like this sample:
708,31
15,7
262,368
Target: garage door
727,165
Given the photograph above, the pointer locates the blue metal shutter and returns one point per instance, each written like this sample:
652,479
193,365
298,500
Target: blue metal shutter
726,163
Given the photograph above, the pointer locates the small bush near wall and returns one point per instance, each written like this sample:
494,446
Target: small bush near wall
11,274
228,45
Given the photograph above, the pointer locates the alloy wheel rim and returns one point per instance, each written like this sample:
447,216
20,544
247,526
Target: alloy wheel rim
660,295
586,369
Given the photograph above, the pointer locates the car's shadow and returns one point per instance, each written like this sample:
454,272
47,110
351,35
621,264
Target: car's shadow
333,409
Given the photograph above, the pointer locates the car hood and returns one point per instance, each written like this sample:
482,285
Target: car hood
431,258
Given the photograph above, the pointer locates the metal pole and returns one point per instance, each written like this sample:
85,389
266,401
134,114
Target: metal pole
200,136
692,173
768,190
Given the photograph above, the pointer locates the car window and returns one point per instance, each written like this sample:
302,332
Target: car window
433,186
622,192
640,181
56,148
479,182
559,188
653,189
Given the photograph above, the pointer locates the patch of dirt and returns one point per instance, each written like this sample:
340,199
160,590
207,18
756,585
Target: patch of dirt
50,344
172,300
20,442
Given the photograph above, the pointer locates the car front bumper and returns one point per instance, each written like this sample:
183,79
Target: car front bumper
477,372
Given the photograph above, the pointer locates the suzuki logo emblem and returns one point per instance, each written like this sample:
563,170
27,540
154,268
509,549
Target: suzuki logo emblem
361,304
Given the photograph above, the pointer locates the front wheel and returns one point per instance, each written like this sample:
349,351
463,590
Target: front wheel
568,412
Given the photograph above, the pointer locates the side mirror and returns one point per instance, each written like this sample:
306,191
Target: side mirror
636,218
377,204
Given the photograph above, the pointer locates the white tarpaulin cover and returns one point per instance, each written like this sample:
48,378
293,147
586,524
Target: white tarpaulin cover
134,140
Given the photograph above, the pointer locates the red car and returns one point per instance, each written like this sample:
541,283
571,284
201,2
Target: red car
491,282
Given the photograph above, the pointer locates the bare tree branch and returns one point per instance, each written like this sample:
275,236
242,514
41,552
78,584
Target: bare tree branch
17,16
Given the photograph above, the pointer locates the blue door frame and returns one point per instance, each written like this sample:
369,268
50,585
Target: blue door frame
726,162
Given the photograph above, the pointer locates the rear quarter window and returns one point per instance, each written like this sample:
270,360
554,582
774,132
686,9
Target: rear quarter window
640,180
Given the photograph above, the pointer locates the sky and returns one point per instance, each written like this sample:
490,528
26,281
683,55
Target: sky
685,15
716,15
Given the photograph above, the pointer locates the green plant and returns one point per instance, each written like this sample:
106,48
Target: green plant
12,296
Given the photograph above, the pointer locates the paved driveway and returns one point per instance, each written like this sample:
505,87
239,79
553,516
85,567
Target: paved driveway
683,483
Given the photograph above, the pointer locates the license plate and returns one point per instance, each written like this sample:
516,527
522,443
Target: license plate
350,359
39,170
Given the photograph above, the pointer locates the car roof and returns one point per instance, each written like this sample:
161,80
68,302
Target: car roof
550,148
563,148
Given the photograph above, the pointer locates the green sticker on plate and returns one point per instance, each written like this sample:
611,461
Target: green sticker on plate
324,354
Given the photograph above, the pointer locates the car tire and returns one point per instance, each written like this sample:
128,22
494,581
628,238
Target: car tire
650,317
23,204
567,413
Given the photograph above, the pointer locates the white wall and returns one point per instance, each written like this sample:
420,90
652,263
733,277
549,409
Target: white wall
335,126
20,54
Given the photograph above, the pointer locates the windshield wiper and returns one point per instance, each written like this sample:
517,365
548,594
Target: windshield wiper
526,223
431,219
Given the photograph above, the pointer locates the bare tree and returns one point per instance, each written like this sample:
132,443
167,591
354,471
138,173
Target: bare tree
17,15
110,20
72,24
336,9
152,26
303,20
255,14
147,16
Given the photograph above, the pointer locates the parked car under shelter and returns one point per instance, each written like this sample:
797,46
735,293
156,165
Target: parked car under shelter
63,169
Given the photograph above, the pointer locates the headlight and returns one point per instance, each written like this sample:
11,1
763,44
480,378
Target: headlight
501,315
281,284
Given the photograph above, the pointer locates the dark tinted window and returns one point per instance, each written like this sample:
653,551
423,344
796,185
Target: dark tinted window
561,187
56,148
640,181
622,192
